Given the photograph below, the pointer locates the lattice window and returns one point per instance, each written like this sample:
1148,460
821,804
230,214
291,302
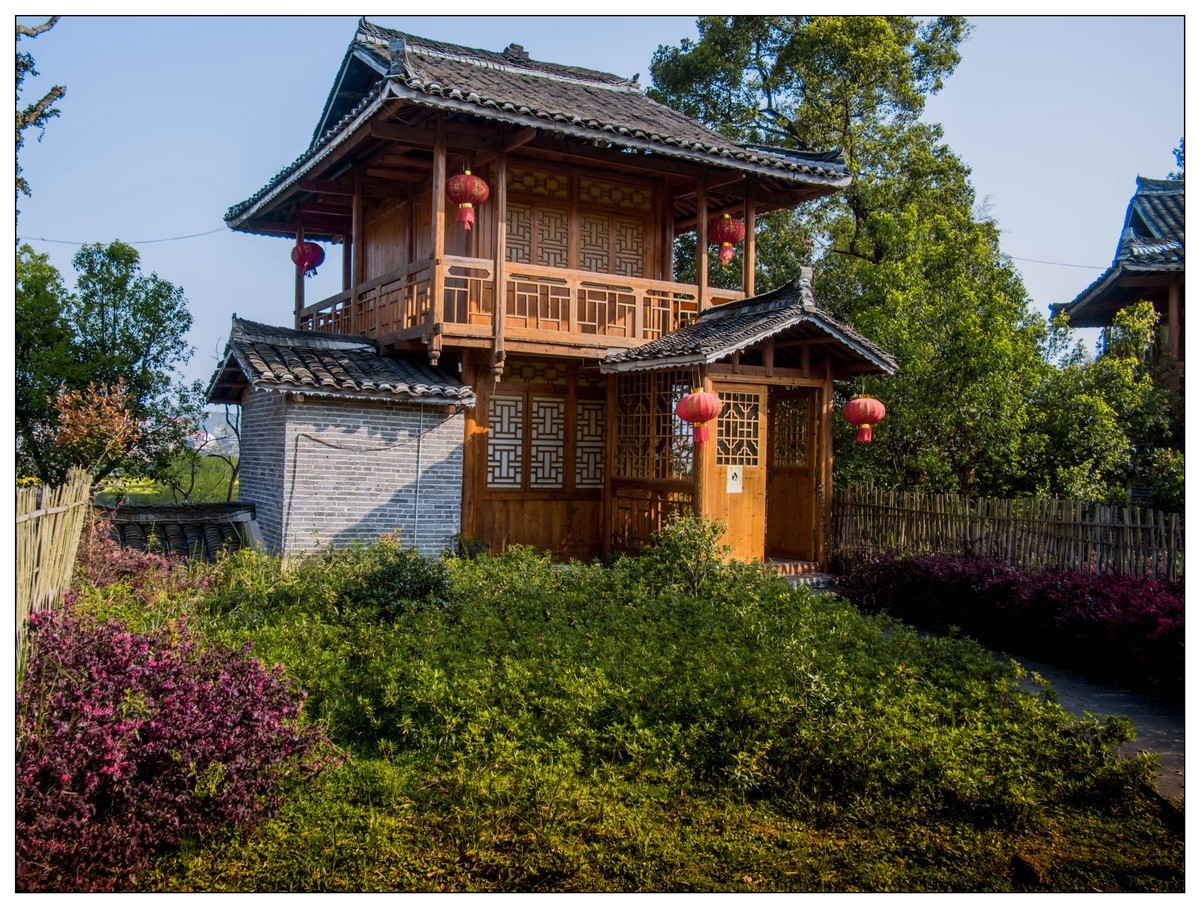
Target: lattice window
519,238
737,430
595,245
506,448
589,445
552,237
792,432
629,256
632,457
652,442
546,437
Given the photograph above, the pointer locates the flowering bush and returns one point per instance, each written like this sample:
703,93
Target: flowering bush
1123,630
128,743
100,562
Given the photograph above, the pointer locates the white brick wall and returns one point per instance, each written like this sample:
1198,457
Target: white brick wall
320,470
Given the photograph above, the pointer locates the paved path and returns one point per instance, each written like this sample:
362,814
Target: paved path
1159,724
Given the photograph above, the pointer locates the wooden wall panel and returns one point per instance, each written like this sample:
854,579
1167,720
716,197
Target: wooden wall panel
386,240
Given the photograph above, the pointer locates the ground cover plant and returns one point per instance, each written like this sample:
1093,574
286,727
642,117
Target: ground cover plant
667,723
1120,630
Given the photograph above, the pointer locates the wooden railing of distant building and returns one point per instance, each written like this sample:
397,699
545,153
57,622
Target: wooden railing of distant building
1027,532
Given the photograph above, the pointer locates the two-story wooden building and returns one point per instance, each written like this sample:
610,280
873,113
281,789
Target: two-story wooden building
516,381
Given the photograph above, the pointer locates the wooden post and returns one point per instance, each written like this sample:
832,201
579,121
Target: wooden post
702,246
499,286
437,300
748,252
826,493
474,448
299,270
668,231
1175,331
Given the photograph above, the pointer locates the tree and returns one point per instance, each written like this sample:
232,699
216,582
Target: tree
1178,152
120,328
36,114
901,254
1104,424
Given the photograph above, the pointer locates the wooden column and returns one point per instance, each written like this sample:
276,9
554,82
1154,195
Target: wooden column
499,288
474,448
359,264
702,246
1174,321
826,478
437,300
702,453
299,271
748,252
668,235
347,263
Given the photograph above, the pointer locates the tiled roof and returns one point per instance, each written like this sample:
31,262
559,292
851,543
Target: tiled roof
194,530
1151,239
334,365
723,330
509,87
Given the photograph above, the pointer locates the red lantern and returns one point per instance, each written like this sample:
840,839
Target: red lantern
727,232
307,257
466,191
863,412
698,408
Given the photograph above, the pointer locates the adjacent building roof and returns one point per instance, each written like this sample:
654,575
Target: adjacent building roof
789,312
344,366
383,64
193,530
1151,244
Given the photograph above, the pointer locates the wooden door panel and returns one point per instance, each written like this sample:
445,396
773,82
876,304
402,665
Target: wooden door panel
792,465
739,443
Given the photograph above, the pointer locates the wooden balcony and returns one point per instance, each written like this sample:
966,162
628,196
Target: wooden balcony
455,304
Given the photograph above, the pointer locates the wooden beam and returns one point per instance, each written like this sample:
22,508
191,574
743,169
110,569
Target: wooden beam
702,246
523,137
327,187
499,288
748,250
438,302
299,273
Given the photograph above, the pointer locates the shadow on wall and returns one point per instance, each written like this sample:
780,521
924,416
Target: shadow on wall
411,489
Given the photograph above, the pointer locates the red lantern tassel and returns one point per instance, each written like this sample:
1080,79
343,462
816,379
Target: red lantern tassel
700,433
466,214
863,434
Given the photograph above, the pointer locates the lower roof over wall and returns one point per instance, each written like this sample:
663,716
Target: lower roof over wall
342,366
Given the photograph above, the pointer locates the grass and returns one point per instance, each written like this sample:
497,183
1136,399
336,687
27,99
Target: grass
668,723
211,485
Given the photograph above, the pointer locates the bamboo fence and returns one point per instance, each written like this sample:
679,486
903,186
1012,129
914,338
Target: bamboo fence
1028,532
49,524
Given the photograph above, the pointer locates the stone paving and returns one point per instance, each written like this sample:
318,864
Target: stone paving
1159,724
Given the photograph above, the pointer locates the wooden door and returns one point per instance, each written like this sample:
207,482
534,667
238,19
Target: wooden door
735,474
792,468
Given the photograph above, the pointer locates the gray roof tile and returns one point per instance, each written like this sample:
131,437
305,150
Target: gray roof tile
270,358
559,98
723,330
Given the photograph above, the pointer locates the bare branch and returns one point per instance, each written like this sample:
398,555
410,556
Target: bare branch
27,31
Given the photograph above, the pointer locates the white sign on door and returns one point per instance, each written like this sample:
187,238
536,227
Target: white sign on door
733,480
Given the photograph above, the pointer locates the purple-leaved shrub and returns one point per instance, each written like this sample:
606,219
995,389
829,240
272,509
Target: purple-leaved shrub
129,743
1123,630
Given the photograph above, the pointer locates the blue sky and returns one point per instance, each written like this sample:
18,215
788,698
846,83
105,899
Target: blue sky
168,121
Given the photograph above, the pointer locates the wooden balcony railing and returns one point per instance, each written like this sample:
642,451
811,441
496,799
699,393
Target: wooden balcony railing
538,301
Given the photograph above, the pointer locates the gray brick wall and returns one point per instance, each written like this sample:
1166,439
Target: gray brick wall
260,462
335,471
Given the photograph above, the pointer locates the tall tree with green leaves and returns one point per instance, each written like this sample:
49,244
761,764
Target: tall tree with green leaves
119,328
902,254
35,114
